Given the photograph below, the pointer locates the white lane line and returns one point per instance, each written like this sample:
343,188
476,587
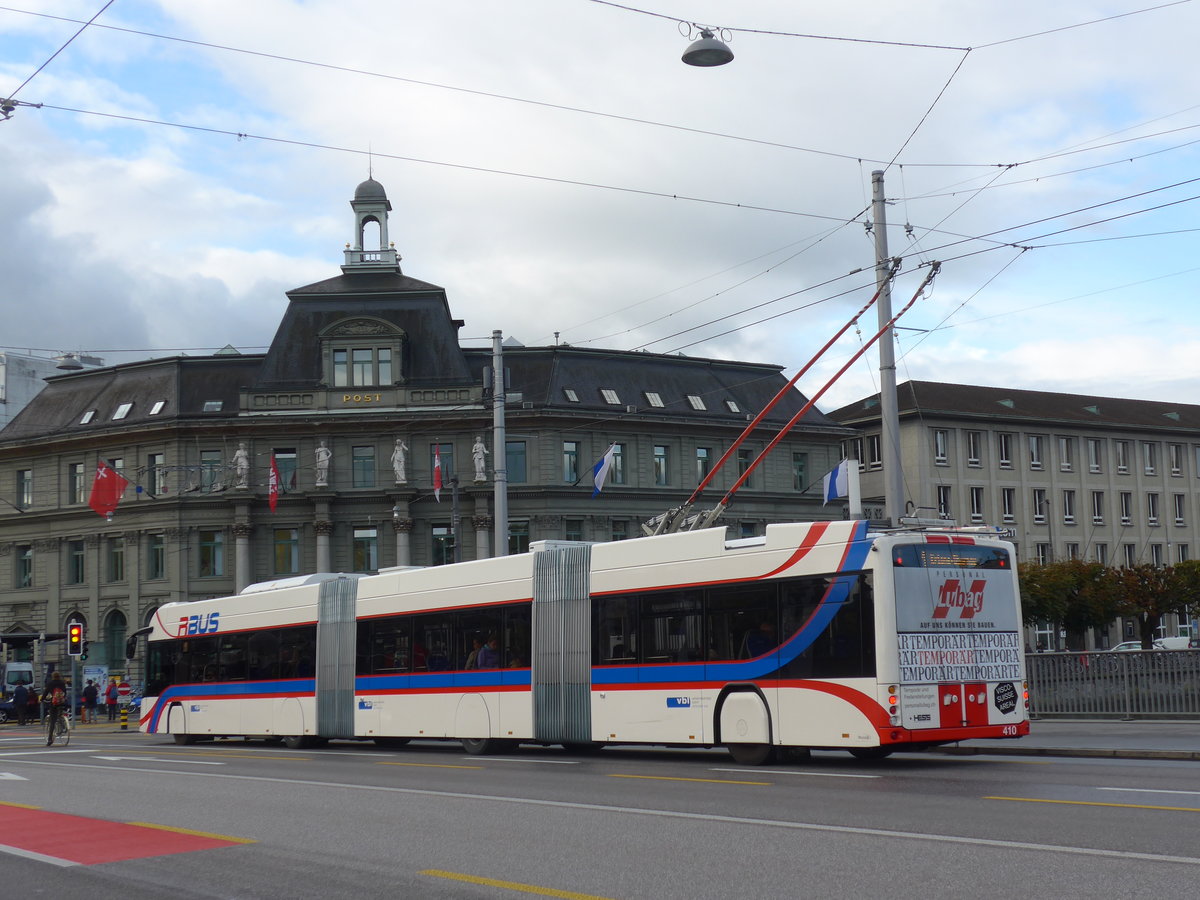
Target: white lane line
192,762
11,776
1094,852
40,857
1150,791
515,759
787,772
57,751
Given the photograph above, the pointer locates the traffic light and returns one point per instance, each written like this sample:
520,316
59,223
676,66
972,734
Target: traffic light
83,655
75,639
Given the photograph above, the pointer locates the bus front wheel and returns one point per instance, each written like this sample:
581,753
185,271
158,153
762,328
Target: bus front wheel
183,739
479,746
297,741
751,754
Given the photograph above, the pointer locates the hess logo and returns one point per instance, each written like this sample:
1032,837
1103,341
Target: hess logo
964,602
204,624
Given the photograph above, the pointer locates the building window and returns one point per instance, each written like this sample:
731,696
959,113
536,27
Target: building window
570,461
1008,504
1152,509
697,402
874,452
1126,499
1181,553
943,501
24,490
155,474
122,411
1036,449
1066,454
365,550
703,463
654,399
156,557
515,462
116,559
1175,455
732,406
610,396
213,405
1004,443
1130,553
1121,451
87,417
1072,551
662,475
1149,457
1102,554
363,366
1156,554
1039,506
286,542
619,530
616,475
1095,449
362,469
976,504
941,446
210,470
570,394
1179,501
573,529
1097,507
75,483
212,553
444,452
744,460
157,407
975,449
1042,553
76,562
1068,498
518,537
23,569
799,471
443,544
286,462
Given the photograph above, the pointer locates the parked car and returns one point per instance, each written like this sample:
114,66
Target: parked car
1173,643
7,712
1135,645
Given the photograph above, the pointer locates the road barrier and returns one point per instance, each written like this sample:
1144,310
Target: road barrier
1137,684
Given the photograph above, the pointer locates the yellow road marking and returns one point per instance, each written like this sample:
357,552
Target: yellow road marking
203,834
704,780
511,885
427,765
19,805
1098,803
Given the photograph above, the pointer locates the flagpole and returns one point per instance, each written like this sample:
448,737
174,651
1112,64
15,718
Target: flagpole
499,449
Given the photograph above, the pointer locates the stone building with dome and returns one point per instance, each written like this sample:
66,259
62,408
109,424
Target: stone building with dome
365,388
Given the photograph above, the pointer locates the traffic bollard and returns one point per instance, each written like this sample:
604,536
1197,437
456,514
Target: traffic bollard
124,718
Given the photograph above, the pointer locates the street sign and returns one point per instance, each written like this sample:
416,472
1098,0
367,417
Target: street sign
123,689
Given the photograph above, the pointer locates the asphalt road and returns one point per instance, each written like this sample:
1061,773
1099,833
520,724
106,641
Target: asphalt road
429,821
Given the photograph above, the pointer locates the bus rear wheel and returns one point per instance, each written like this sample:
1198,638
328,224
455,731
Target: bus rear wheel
479,746
297,741
183,739
751,754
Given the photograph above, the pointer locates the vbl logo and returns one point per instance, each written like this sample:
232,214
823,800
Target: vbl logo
965,602
203,624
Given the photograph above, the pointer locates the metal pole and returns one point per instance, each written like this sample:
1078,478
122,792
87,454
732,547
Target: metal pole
889,412
499,453
455,518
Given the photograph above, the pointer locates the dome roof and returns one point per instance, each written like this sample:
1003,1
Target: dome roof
370,190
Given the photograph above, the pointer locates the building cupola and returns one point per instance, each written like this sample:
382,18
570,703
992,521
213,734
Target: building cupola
371,208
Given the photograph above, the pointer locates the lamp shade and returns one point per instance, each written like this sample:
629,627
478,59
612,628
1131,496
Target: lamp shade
707,51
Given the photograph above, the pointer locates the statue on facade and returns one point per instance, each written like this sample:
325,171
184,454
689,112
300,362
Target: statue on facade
478,455
324,454
398,461
241,465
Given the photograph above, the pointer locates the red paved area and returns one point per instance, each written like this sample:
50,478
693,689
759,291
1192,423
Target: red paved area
84,841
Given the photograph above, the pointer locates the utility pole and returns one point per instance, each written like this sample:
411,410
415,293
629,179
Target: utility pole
499,453
889,408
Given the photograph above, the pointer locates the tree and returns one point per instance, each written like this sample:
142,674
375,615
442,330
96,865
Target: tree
1148,592
1072,594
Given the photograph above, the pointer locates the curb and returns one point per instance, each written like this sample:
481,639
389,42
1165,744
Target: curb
1079,752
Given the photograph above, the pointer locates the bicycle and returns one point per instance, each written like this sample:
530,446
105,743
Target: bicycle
60,731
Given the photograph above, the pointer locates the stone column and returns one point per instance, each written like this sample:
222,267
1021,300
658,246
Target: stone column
483,534
403,531
241,556
323,528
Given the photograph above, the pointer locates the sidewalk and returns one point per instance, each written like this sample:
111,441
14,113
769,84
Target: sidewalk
1105,738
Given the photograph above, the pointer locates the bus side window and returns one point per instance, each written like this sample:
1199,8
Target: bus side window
615,631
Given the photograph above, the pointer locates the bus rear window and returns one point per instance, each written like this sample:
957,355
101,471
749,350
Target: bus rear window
949,556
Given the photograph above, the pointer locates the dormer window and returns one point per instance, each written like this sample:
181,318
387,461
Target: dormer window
157,407
731,406
697,402
570,394
213,405
122,411
654,399
87,417
610,396
362,352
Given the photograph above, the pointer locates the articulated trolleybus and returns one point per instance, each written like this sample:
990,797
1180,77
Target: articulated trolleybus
820,635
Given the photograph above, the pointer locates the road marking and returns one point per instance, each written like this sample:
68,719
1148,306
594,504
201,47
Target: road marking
42,748
814,774
1150,791
671,814
194,833
427,765
194,762
510,885
11,776
1097,803
515,759
244,755
702,780
18,805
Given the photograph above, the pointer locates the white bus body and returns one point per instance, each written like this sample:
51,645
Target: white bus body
817,635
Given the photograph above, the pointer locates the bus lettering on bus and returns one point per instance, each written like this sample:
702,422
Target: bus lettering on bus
207,623
952,596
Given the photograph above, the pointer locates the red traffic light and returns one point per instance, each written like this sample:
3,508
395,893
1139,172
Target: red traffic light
74,639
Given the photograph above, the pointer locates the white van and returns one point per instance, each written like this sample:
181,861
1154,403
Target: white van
12,674
1172,643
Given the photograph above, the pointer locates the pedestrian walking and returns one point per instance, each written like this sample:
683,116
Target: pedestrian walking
91,695
110,699
55,696
20,701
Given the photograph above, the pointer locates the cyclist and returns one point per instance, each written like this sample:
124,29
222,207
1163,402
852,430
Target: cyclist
56,704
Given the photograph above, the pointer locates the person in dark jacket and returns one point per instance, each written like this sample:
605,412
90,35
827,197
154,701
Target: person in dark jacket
20,700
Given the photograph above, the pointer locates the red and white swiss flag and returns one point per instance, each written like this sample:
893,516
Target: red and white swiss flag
107,488
437,473
273,484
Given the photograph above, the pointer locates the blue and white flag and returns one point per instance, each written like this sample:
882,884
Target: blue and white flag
837,483
602,467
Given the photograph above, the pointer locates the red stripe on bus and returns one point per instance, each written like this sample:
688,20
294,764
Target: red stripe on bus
87,842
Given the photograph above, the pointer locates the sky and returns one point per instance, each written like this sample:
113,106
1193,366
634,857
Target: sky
565,177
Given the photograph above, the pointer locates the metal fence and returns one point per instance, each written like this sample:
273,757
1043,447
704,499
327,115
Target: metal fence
1115,685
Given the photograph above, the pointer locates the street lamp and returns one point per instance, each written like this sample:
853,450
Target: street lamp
707,51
